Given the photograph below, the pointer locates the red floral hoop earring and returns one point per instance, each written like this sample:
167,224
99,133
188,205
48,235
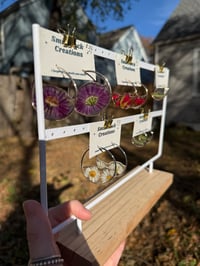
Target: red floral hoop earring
124,100
140,97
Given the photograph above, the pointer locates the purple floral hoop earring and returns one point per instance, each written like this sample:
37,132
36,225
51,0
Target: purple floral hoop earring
93,97
58,103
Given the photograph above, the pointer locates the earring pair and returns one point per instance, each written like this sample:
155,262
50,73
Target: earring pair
88,100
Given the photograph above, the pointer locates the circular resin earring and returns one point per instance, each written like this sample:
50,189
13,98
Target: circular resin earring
124,100
58,103
142,139
120,163
135,98
140,97
96,169
104,167
158,94
93,97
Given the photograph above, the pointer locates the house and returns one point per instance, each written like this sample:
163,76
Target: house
178,45
16,60
16,49
16,32
16,53
123,39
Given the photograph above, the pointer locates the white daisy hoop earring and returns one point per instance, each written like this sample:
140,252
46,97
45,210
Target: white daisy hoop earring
97,169
121,160
93,96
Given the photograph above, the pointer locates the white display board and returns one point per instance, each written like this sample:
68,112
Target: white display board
49,53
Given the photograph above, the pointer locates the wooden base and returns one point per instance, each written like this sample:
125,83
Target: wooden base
114,218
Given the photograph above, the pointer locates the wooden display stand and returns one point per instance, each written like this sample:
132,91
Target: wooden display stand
114,218
120,207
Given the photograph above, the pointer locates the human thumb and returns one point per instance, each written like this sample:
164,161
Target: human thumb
39,235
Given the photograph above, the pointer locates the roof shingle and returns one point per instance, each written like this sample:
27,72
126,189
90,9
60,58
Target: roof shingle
108,39
184,22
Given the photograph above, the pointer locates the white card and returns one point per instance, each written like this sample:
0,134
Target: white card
72,60
142,124
127,73
101,137
161,77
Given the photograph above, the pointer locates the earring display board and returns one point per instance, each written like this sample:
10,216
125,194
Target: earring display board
121,206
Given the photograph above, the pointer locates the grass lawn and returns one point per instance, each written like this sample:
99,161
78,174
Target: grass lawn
169,235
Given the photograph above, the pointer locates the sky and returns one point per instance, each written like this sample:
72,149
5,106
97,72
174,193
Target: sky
147,16
6,3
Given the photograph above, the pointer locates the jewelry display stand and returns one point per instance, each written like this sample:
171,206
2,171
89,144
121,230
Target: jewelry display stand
118,209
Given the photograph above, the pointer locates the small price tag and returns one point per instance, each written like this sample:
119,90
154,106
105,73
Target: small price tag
127,73
103,137
161,77
142,124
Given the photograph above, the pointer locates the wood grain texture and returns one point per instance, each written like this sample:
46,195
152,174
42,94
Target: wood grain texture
114,218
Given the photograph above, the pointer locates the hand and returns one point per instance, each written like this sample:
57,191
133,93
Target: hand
114,259
41,241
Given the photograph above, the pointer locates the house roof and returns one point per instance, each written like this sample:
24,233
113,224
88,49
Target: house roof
183,22
108,39
124,38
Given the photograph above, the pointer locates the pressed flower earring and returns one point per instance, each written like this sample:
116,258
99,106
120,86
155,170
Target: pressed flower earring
104,167
142,139
96,169
125,98
158,94
58,104
140,97
93,97
121,161
135,98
